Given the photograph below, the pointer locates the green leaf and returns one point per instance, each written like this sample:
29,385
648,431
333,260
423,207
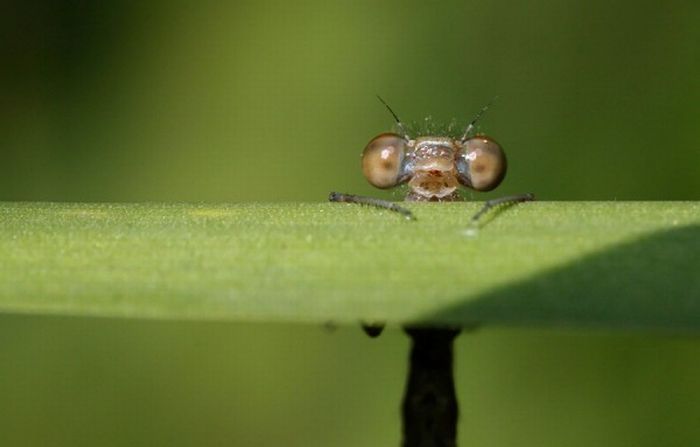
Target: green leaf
605,264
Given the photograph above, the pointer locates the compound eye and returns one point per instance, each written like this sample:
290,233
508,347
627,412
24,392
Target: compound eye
481,163
382,160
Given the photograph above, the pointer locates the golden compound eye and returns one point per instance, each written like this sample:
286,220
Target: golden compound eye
382,160
481,163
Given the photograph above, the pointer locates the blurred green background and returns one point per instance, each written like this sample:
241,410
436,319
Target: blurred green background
272,100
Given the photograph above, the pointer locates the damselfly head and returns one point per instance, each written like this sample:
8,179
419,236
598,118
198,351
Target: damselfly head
434,165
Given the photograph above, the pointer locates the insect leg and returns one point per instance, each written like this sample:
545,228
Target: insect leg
528,197
371,201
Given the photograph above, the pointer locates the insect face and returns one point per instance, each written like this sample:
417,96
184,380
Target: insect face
434,166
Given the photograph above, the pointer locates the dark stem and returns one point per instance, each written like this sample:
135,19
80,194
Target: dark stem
430,405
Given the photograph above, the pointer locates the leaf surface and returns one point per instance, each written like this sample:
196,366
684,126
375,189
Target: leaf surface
602,264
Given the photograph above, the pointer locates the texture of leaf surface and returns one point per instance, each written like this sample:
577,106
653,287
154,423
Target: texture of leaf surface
603,264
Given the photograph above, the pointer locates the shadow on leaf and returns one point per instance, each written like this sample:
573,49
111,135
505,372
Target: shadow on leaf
651,283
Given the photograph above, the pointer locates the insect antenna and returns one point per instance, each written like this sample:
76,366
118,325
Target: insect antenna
472,123
399,124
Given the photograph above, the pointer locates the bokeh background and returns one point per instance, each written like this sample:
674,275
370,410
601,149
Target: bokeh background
274,101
